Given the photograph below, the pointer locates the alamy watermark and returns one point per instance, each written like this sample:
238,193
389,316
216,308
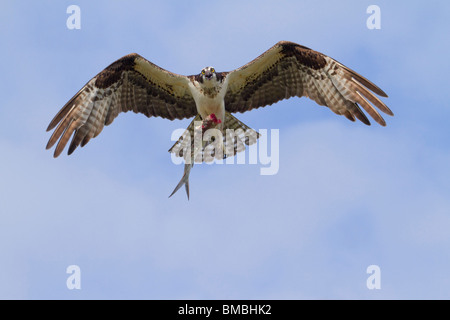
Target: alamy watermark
230,149
74,280
374,280
74,20
374,20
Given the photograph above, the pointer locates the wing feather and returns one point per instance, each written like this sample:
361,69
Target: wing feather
370,109
289,69
131,83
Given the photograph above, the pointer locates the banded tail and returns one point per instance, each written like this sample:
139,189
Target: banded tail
235,136
244,135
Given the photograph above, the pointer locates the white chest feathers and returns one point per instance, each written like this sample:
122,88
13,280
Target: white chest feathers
209,97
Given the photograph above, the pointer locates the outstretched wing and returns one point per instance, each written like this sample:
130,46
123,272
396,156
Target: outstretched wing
131,83
288,69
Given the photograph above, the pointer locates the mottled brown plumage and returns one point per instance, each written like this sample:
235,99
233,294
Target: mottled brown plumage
130,84
235,137
288,69
133,83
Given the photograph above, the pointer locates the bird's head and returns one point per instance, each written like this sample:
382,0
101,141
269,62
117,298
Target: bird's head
208,74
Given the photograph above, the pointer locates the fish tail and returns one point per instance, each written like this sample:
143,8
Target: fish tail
184,180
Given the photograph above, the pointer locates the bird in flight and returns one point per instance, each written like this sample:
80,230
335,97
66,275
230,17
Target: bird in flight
286,70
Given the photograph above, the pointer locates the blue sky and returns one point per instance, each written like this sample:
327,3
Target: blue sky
346,195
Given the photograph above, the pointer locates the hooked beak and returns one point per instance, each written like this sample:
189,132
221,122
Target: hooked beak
208,75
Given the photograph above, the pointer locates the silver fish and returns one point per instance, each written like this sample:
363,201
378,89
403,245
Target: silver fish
209,122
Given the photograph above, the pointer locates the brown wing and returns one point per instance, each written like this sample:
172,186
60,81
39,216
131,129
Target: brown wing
131,83
288,69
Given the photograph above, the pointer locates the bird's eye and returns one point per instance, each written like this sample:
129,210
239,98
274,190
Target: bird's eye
212,70
203,71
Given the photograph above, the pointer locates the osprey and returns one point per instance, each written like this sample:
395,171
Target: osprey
133,83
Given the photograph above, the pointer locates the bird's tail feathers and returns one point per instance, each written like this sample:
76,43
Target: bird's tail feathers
236,135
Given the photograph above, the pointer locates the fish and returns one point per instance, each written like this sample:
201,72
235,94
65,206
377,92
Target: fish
209,122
